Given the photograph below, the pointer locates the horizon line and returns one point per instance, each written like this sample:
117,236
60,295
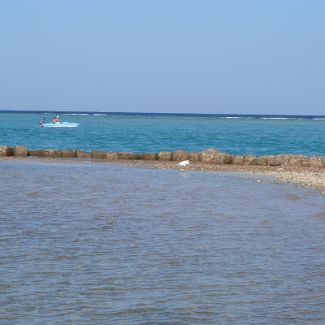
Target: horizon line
154,113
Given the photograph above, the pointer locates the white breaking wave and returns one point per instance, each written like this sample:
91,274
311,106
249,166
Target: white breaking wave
278,118
76,114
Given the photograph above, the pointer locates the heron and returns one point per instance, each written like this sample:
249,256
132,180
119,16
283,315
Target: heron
184,163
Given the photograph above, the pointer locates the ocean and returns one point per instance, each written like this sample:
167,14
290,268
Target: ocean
92,243
236,134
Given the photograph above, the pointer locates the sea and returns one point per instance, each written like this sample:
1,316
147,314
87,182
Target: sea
93,243
136,132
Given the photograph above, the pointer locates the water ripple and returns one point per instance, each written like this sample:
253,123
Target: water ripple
93,243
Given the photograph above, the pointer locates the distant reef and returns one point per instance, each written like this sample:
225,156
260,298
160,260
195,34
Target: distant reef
210,156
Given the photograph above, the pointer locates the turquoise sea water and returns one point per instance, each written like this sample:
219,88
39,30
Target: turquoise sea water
258,135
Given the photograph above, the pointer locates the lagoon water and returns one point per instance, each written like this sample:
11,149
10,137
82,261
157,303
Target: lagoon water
243,134
91,243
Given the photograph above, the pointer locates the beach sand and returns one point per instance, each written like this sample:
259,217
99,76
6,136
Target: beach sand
310,177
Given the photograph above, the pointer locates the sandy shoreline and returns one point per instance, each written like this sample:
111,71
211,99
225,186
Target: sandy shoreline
309,177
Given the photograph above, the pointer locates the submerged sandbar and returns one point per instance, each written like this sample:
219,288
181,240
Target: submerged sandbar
298,169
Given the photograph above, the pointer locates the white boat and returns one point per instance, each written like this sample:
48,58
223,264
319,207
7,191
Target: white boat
60,125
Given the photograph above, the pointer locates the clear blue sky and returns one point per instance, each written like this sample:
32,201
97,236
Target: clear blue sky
163,56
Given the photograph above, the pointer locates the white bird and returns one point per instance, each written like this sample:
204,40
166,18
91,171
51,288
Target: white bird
183,163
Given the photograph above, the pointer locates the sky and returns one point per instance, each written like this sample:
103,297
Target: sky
173,56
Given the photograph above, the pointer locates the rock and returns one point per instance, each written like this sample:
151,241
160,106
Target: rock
98,154
275,161
129,155
228,159
6,151
180,155
210,155
20,151
3,151
262,160
215,156
284,159
51,153
323,161
10,151
45,153
82,154
111,155
238,160
194,156
68,153
165,156
150,156
250,160
316,161
34,152
298,161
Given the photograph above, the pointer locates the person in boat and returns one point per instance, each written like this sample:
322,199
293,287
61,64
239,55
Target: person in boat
42,121
57,119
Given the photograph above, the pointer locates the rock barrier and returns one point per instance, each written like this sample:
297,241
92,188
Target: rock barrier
211,156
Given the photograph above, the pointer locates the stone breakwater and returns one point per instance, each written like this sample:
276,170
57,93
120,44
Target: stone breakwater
211,156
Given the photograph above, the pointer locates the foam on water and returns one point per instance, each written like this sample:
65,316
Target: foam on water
93,243
60,125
